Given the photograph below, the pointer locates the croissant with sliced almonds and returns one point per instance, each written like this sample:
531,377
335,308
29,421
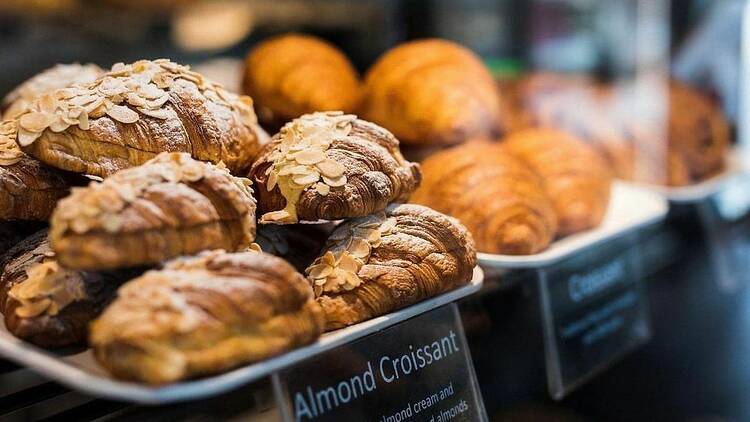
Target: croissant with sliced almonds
29,189
575,177
204,315
47,304
432,91
172,205
56,77
133,112
291,75
389,260
329,166
494,194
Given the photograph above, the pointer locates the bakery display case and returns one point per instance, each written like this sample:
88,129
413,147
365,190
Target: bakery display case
389,210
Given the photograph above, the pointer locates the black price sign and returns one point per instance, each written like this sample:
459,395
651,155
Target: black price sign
595,311
419,370
726,222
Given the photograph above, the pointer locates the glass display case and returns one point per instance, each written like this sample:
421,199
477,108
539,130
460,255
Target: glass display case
594,150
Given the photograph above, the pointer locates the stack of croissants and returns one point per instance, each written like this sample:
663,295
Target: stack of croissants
145,211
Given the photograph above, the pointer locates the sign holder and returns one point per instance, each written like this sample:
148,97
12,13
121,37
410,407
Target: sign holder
388,376
594,312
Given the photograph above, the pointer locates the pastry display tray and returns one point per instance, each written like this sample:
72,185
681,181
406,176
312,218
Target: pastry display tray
700,191
631,206
80,371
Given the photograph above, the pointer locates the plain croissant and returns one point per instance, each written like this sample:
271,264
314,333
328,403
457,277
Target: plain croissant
432,92
292,75
132,113
494,194
575,177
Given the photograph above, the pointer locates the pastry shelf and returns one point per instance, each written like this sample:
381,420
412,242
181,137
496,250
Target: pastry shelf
631,208
80,371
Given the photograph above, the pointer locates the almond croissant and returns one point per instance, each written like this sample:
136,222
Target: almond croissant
329,166
389,260
432,92
575,177
59,76
292,75
170,206
49,305
204,315
132,113
29,189
494,194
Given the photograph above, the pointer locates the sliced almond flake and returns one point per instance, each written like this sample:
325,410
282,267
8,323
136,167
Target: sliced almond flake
334,183
349,263
26,138
83,121
162,114
276,216
329,259
306,179
35,121
272,180
94,105
58,126
310,156
135,100
330,168
122,114
322,188
319,271
359,248
47,104
157,103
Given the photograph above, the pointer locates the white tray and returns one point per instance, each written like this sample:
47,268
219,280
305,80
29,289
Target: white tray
700,191
81,372
630,207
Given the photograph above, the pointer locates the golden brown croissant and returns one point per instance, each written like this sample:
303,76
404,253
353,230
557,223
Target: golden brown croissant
205,315
383,262
56,77
170,206
49,305
494,194
432,92
292,75
132,113
29,189
329,166
698,131
575,177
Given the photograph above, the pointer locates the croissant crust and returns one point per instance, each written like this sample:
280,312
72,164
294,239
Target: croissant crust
432,92
359,172
204,315
170,206
56,77
46,304
292,75
132,113
376,264
494,194
575,177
